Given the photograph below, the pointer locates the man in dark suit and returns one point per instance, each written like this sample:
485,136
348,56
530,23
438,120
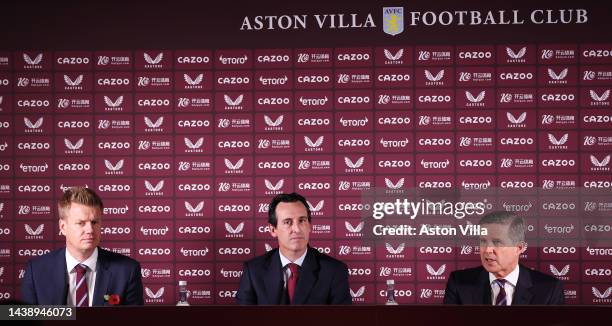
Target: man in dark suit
501,280
294,273
81,274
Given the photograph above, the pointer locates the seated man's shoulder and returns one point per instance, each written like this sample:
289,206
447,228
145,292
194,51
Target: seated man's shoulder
49,257
261,259
468,274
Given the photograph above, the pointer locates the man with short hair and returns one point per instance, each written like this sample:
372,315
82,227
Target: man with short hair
501,280
82,274
294,273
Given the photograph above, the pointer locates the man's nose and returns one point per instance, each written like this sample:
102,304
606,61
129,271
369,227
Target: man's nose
88,227
295,227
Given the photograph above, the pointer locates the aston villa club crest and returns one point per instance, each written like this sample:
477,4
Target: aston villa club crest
393,20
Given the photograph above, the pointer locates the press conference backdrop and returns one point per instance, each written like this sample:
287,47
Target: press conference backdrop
188,118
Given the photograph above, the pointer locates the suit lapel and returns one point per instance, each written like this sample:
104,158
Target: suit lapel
273,278
103,276
59,278
482,295
307,278
522,294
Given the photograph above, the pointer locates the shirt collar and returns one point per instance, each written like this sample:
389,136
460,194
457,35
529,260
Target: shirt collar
511,278
285,260
90,262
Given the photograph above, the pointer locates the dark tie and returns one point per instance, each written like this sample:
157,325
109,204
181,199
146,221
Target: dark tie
501,296
292,281
82,299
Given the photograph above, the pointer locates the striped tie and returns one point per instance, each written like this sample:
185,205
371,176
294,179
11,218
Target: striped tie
81,286
501,296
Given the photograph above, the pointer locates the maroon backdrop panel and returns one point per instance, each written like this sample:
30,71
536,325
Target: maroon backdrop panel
188,117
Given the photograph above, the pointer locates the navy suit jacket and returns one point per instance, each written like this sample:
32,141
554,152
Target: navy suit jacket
471,286
46,279
322,280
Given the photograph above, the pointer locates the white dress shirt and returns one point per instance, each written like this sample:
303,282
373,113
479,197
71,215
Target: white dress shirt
90,276
285,261
509,286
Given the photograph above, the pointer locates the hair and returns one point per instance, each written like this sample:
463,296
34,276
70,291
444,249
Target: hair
285,198
516,229
78,195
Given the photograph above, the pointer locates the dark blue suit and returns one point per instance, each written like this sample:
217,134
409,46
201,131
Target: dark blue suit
471,286
322,280
46,279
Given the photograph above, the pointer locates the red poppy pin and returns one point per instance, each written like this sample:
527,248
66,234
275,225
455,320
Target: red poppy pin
112,299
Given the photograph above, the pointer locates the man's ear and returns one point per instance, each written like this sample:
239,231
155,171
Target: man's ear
272,230
522,247
62,226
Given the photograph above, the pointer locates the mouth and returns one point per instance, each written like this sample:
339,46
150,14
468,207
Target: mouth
490,260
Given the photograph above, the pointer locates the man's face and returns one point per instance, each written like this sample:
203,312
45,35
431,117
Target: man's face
498,254
292,228
81,226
